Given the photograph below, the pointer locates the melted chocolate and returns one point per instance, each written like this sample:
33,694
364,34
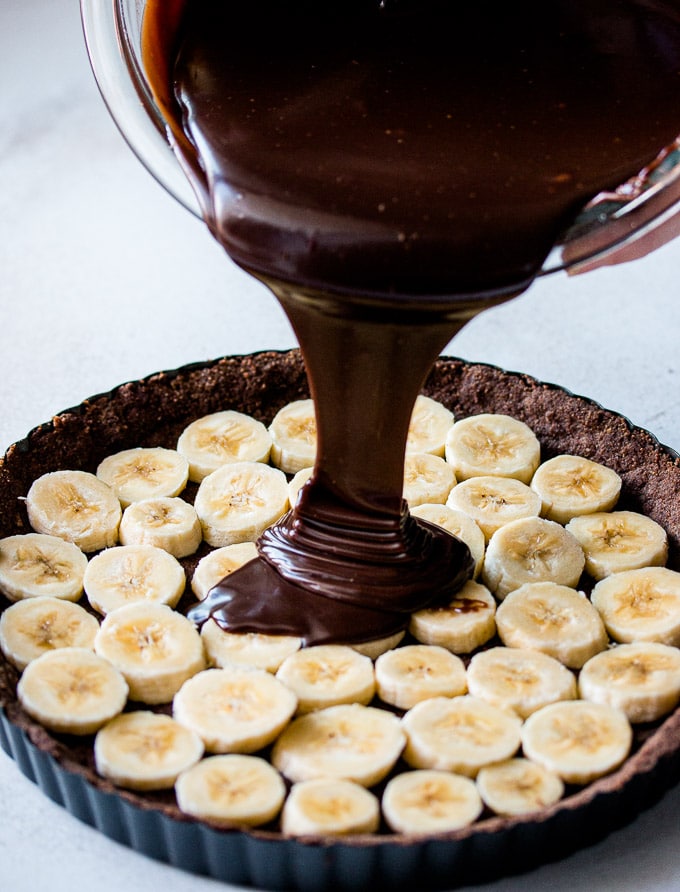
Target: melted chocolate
389,169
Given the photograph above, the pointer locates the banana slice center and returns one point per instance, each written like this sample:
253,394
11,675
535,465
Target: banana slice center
42,567
486,443
579,731
229,791
437,799
473,728
645,601
71,684
229,439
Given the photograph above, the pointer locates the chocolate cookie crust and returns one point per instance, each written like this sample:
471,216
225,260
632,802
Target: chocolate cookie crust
153,412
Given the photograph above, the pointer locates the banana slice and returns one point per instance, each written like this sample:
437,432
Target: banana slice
72,691
430,423
129,573
518,787
579,741
570,486
553,619
459,734
642,680
416,672
426,802
531,549
326,675
75,506
155,648
519,680
427,479
231,791
640,605
495,445
236,709
35,565
293,433
220,439
144,473
464,624
168,523
458,524
239,501
619,540
218,564
224,648
329,807
494,501
145,751
35,626
354,742
373,649
296,484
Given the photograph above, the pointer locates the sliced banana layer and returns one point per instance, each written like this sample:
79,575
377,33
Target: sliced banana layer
168,523
416,672
531,549
494,501
642,680
640,605
519,680
75,506
459,524
231,790
155,648
252,649
554,619
236,709
518,787
239,501
327,675
426,802
72,690
220,439
430,423
354,742
126,574
427,479
36,565
619,540
293,433
145,750
570,486
144,473
218,564
329,807
496,445
459,734
464,624
579,741
35,626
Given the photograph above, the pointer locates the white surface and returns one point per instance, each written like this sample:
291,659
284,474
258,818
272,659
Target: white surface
103,279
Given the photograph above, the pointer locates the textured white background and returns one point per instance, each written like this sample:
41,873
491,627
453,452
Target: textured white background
104,278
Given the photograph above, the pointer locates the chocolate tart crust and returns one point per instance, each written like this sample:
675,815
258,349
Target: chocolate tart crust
154,411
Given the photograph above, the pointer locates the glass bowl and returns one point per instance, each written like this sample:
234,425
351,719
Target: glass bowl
609,223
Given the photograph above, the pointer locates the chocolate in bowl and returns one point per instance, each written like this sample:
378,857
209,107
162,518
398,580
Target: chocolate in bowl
153,412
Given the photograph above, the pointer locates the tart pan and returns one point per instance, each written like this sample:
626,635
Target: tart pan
153,412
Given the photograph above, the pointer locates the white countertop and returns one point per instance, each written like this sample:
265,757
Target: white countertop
104,279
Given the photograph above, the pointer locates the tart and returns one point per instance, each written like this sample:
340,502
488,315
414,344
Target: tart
155,411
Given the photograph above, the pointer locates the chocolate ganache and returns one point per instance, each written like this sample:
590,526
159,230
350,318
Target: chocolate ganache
390,169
